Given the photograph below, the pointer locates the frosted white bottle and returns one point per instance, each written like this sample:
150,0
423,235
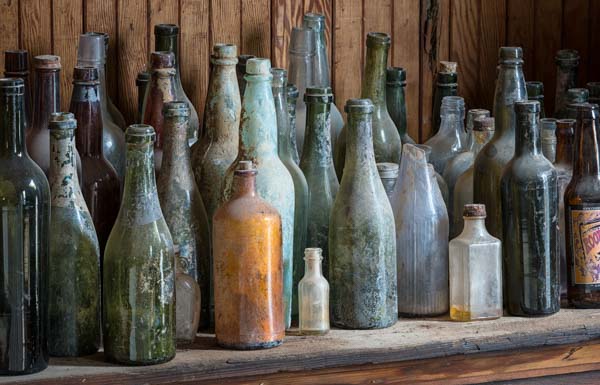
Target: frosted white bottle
313,295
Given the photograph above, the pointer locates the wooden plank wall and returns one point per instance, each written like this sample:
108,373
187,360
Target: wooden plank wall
423,33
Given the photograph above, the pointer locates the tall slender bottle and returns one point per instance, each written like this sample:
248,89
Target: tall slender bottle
160,91
567,68
241,71
16,65
139,266
292,98
142,82
582,212
594,92
451,138
530,221
548,134
92,53
535,91
166,38
572,97
74,261
361,240
100,183
396,100
386,140
25,204
115,115
301,205
446,84
321,77
258,141
490,163
181,202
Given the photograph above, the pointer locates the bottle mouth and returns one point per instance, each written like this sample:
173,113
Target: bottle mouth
388,170
567,58
534,88
224,51
16,61
302,41
378,39
313,253
318,94
166,30
577,95
396,75
140,133
47,62
62,121
12,86
364,106
279,77
527,106
258,67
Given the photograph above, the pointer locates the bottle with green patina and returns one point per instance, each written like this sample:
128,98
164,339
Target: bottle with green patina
530,221
535,91
446,84
490,163
292,98
386,140
241,71
321,77
139,266
181,202
572,97
258,142
396,100
284,145
317,165
362,241
142,81
567,69
166,38
594,89
74,262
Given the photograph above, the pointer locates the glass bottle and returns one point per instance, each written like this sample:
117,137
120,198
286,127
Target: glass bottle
46,100
451,138
292,98
248,271
258,141
115,115
396,100
301,54
594,92
361,240
582,212
535,91
16,65
301,204
181,202
313,294
100,184
142,82
567,68
530,221
161,90
439,179
386,140
490,163
188,301
388,173
74,259
139,266
321,78
483,130
241,71
572,97
166,39
25,204
421,238
446,84
548,133
92,53
475,270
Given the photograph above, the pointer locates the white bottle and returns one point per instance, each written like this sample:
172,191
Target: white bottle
313,295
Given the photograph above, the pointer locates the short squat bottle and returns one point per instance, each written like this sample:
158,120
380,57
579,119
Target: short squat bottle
313,295
248,269
548,134
16,65
475,270
446,84
451,138
139,266
74,274
188,302
530,221
567,68
535,91
396,100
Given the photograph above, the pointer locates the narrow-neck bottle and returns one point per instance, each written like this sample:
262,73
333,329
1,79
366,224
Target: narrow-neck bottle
567,68
100,184
313,293
292,98
570,99
74,260
16,65
139,266
472,115
142,82
241,71
361,240
396,100
166,39
548,134
451,138
594,92
161,90
181,202
388,173
446,84
535,91
490,163
439,179
530,221
582,212
258,141
25,204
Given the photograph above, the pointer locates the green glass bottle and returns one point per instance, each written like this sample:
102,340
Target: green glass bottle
396,100
74,275
292,98
446,84
139,266
142,81
535,91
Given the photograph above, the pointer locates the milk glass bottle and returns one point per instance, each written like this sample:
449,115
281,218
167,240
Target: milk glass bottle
313,295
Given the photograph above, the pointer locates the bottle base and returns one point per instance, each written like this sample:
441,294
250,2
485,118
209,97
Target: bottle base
313,332
33,370
139,363
250,346
364,327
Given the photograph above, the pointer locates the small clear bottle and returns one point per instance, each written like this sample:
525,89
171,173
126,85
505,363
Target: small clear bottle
549,138
313,294
187,302
475,270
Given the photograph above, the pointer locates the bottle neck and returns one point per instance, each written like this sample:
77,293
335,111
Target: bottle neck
62,175
101,67
564,149
284,143
258,132
321,70
161,90
168,43
474,227
85,105
313,267
452,125
244,185
566,78
46,99
528,140
317,143
140,199
26,95
397,102
360,158
587,148
176,151
301,72
479,140
373,86
510,88
12,132
224,86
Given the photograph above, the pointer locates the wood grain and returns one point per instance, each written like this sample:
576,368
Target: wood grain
492,35
9,27
256,34
286,14
576,22
161,12
377,17
465,36
323,7
36,16
520,31
225,20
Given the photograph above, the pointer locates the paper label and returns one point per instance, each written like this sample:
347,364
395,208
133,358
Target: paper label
585,222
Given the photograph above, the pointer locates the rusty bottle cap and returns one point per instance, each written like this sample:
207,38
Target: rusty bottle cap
448,67
46,62
474,211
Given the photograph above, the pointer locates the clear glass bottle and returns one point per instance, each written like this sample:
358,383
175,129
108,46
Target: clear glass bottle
139,266
446,85
439,179
530,221
241,71
421,238
74,259
475,270
16,65
451,139
142,82
535,91
313,295
396,100
292,98
567,68
187,301
572,97
388,173
548,133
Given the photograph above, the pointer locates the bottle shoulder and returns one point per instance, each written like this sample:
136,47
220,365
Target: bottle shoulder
21,175
247,209
530,170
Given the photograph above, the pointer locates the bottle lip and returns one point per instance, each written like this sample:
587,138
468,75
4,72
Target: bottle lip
292,91
396,75
378,39
313,253
176,108
577,95
475,113
566,126
12,86
567,57
62,121
510,55
46,62
527,106
535,87
359,106
453,102
314,21
548,124
245,168
388,170
484,123
139,134
315,94
224,51
474,211
258,66
302,41
16,61
142,78
166,30
162,59
85,75
279,77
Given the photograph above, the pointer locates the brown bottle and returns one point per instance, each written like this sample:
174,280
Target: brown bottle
16,65
582,212
248,267
161,90
100,185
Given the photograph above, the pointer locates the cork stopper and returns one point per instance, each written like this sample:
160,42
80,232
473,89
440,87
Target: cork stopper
534,89
16,62
46,62
359,106
303,41
62,121
388,170
396,75
527,106
474,211
85,75
484,123
510,54
166,29
140,134
567,58
313,253
225,51
258,66
448,67
162,59
378,39
176,109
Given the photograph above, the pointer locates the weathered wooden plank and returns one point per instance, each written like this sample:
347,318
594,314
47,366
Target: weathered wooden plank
225,22
37,36
256,32
491,36
576,34
377,17
9,27
594,41
323,7
520,31
285,15
465,40
161,12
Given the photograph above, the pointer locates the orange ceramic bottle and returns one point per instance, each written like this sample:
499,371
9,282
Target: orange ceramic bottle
248,268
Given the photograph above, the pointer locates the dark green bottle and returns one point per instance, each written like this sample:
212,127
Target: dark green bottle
292,98
567,68
74,275
139,266
571,98
535,91
446,84
594,88
396,100
142,81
